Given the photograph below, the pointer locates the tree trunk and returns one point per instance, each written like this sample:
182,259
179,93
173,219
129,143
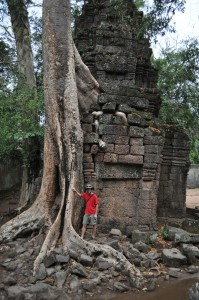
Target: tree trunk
63,145
21,29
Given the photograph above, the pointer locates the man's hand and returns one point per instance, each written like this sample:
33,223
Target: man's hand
95,216
75,191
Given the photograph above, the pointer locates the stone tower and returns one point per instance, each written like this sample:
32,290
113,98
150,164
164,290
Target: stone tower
123,149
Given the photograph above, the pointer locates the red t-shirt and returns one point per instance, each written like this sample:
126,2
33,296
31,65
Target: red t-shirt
91,202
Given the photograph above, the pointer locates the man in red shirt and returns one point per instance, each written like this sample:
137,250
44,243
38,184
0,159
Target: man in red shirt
91,210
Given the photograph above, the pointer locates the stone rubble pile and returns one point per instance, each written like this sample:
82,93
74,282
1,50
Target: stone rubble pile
74,275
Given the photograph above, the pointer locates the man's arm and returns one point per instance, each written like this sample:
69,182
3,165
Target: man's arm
76,192
97,206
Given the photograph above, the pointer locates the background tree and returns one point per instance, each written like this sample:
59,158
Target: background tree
178,84
19,104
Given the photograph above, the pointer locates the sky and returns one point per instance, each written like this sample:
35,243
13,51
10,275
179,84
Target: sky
186,25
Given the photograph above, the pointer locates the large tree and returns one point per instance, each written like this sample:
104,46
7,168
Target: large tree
69,88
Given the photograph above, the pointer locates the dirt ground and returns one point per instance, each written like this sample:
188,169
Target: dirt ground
192,198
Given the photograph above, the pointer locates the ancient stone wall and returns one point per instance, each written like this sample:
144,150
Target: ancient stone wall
173,175
10,174
122,144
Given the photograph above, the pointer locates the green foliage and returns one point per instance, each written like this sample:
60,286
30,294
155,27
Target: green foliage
18,120
158,17
163,232
178,85
194,154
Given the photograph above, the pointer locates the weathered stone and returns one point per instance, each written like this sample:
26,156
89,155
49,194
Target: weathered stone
86,260
122,149
109,107
190,249
117,171
141,247
49,260
125,108
134,119
87,118
115,232
129,83
191,225
79,270
62,259
136,132
130,159
121,286
137,150
91,138
112,129
173,257
110,158
102,264
60,278
175,272
138,236
41,272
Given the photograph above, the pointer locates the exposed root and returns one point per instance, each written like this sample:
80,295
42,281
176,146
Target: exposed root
23,224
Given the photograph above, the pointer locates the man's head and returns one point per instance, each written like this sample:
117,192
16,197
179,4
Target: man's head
89,188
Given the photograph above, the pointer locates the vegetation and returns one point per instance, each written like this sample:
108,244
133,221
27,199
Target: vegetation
178,84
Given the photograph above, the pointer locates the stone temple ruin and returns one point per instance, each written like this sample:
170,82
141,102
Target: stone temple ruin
139,169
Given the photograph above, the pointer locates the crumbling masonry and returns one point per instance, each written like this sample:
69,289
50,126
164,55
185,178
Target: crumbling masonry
139,169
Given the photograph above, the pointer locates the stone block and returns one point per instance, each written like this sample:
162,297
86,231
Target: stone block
151,149
86,148
87,158
173,258
138,236
136,132
139,102
152,158
134,119
99,157
122,149
130,159
109,139
125,108
94,149
87,127
115,232
89,166
112,129
117,171
137,150
121,140
86,260
153,140
110,148
105,119
91,138
109,107
136,141
110,158
87,118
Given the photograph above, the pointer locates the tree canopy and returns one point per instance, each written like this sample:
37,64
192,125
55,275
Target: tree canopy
178,84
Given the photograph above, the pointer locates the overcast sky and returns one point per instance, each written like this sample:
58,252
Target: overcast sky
186,24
